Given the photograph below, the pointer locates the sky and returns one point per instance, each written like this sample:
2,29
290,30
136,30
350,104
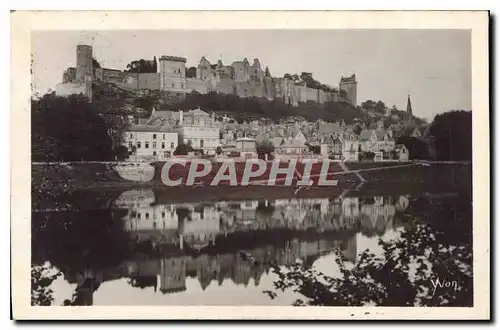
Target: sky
433,66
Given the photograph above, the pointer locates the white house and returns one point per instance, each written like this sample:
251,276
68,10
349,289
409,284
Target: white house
150,142
198,128
247,147
403,153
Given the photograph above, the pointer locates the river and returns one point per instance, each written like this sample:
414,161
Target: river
149,249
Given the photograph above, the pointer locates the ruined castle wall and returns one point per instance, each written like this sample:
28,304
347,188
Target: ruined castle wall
241,73
258,90
149,81
287,91
324,96
127,86
197,85
175,84
127,80
311,94
66,89
243,89
269,88
225,86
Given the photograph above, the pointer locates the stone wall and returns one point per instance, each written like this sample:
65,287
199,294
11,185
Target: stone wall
199,86
66,89
149,81
226,86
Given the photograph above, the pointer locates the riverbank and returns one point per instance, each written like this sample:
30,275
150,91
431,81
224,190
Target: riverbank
94,185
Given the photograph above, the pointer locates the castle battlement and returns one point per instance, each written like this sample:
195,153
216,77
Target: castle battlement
173,58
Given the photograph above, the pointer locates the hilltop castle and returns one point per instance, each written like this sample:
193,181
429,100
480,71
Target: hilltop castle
240,78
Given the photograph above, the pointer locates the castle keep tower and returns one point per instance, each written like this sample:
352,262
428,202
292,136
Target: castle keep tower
172,73
84,67
349,85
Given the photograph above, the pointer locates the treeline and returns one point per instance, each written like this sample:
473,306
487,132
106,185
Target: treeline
450,138
72,129
142,66
452,132
247,109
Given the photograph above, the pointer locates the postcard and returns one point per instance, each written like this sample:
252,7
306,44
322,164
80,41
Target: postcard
250,165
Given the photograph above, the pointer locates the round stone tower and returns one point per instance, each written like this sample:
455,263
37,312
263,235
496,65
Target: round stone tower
84,67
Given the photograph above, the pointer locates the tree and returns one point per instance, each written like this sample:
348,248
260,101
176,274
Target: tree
68,129
142,66
121,153
417,148
452,132
95,64
191,72
41,280
265,148
380,107
385,280
183,149
266,72
357,129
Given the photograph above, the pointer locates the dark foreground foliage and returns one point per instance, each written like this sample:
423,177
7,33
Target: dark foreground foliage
406,274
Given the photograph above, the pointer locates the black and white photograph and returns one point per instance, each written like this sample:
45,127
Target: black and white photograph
257,167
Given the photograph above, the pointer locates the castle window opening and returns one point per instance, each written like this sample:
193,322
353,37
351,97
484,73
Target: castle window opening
163,145
138,144
172,145
154,144
131,135
154,153
147,215
154,136
130,144
163,136
146,145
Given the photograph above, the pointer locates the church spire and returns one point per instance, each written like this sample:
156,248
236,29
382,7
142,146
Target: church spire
408,106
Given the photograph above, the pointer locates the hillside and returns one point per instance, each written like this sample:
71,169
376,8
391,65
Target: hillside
245,109
111,96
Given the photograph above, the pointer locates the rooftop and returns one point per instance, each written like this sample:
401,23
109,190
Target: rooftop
149,128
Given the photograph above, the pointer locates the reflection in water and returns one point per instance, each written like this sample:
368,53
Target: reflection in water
161,246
